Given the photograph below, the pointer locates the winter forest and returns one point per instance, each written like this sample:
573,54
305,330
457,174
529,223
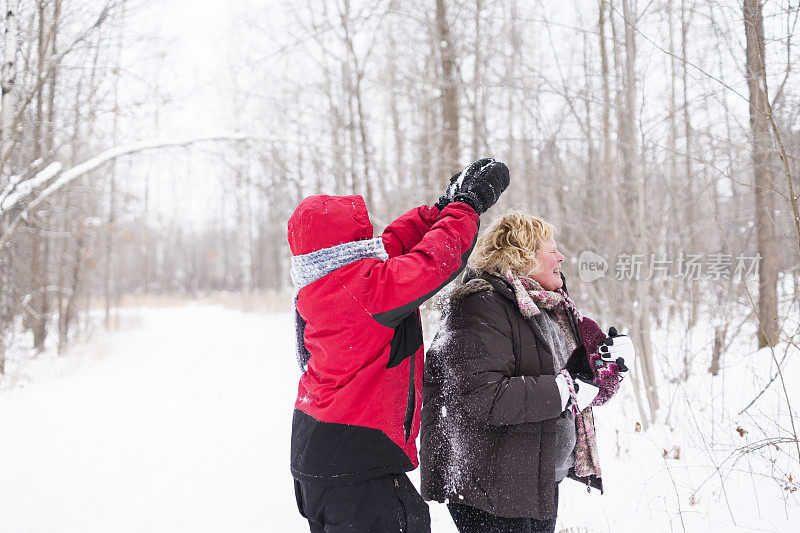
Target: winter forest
151,153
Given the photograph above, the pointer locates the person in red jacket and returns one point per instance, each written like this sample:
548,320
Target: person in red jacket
359,342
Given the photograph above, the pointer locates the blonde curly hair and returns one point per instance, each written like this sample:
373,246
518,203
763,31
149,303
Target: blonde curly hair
511,243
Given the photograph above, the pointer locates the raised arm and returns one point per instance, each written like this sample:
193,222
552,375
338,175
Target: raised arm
403,234
390,290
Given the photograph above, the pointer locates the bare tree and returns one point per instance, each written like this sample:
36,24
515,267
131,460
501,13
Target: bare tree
636,183
9,98
479,132
7,107
48,13
761,141
449,92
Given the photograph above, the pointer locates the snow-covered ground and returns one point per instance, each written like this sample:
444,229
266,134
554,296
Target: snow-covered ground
182,423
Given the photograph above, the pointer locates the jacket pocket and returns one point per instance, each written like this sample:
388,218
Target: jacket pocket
400,521
493,464
298,496
516,470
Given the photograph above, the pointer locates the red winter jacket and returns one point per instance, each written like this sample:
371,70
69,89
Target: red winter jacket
364,377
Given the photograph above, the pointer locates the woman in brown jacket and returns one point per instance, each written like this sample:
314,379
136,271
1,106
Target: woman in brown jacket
507,384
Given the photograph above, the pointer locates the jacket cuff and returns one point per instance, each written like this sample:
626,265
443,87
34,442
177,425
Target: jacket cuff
461,207
563,390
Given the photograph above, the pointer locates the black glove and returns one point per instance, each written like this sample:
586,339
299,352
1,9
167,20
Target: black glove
456,180
482,189
479,185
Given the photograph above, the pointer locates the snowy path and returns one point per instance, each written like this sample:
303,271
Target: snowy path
182,428
184,424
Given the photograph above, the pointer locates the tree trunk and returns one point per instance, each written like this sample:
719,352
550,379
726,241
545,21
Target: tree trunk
65,319
690,193
8,108
398,135
478,117
765,198
511,95
109,274
635,179
608,154
244,225
449,94
426,139
42,146
354,71
8,104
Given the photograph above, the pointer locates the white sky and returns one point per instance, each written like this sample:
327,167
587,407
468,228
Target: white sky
191,35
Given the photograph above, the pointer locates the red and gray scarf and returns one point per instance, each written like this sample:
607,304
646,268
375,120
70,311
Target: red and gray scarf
532,298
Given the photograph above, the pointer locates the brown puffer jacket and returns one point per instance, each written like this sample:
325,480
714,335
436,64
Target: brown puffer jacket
490,404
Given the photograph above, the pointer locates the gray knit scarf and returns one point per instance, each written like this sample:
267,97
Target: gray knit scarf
308,268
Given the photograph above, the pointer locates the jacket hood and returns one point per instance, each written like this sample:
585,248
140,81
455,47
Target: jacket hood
322,221
473,286
473,282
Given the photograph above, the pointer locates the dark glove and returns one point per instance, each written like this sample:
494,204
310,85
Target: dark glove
482,189
457,179
578,365
479,185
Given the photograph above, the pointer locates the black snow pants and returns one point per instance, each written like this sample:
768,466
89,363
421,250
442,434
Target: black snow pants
386,504
471,520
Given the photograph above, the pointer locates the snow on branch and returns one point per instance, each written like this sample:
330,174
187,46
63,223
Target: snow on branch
14,195
60,179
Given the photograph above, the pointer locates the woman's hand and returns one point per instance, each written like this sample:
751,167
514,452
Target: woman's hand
581,392
616,349
585,393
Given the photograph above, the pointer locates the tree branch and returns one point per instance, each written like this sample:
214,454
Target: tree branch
59,180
